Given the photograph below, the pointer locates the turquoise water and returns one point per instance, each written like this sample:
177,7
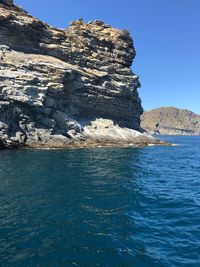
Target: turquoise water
101,207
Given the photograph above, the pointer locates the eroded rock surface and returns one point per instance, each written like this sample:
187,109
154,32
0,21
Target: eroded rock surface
55,83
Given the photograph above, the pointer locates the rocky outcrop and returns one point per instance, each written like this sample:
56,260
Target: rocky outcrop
57,85
7,2
171,121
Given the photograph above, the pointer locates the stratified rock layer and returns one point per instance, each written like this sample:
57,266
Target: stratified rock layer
171,121
54,83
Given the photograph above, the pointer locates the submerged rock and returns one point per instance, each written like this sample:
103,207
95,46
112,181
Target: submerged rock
66,87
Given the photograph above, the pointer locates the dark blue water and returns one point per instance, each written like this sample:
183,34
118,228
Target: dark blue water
101,207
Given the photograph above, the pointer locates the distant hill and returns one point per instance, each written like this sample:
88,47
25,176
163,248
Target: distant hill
172,121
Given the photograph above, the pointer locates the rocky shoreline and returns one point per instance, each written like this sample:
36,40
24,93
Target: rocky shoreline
69,87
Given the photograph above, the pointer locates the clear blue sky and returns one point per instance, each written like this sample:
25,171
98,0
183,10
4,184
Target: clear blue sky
166,35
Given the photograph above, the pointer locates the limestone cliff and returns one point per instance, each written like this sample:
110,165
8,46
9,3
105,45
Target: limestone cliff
172,121
63,87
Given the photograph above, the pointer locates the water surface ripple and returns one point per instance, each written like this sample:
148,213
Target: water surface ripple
101,207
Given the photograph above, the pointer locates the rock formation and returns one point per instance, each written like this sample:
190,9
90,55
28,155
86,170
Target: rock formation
171,121
66,87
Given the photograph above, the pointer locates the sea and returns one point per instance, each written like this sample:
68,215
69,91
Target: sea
105,207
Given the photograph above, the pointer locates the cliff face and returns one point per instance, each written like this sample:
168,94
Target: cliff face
57,85
172,121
